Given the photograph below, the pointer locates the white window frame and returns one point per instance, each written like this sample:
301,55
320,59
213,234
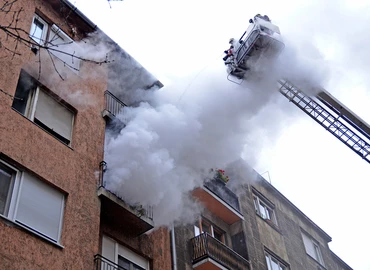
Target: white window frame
270,258
318,255
199,230
31,105
44,30
11,215
48,32
260,203
75,62
111,249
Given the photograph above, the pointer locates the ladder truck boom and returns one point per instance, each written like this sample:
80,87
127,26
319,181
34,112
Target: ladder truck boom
336,118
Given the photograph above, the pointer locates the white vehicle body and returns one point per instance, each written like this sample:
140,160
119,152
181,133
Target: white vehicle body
262,40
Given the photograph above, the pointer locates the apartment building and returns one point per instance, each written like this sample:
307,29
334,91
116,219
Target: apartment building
55,209
258,228
55,212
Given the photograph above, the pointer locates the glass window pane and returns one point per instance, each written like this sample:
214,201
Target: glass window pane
124,263
268,261
5,188
275,264
269,214
217,235
40,207
37,29
196,230
310,249
255,204
206,228
262,211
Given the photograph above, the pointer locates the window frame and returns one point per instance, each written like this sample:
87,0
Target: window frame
14,202
270,256
45,30
112,250
131,264
268,207
31,106
199,226
50,30
317,249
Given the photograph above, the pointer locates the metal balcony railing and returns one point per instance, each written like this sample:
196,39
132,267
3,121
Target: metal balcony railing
145,211
102,263
218,188
205,246
112,104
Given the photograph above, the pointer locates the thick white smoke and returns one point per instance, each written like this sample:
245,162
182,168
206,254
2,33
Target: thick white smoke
165,149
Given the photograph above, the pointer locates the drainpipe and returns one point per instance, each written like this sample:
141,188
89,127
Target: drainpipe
173,244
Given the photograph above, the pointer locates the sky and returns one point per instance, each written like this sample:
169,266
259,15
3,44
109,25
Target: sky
183,41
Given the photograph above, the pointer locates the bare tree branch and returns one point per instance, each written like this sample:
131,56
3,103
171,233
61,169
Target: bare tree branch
20,37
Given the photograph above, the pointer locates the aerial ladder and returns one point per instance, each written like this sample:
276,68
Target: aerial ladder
262,40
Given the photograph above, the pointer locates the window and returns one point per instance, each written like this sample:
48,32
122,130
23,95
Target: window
122,256
60,44
204,226
273,263
39,29
43,109
312,248
264,209
30,202
128,265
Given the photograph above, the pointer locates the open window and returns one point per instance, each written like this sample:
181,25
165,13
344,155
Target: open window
274,262
63,47
264,208
43,108
39,30
205,226
58,42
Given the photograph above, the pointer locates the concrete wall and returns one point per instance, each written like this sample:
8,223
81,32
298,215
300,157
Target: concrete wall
284,240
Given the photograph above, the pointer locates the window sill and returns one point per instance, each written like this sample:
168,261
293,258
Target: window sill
270,223
318,263
43,129
19,226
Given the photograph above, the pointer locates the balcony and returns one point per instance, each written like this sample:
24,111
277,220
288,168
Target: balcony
219,200
133,219
207,253
113,105
102,263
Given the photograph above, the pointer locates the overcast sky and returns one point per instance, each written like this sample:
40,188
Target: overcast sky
182,40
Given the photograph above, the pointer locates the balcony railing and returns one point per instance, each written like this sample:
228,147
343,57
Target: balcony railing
137,218
141,210
112,104
102,263
205,246
218,187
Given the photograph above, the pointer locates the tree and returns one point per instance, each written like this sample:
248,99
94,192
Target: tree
14,37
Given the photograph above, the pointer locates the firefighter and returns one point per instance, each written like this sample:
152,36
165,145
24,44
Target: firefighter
230,51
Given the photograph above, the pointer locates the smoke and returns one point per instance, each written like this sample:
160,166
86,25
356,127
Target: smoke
179,132
167,145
